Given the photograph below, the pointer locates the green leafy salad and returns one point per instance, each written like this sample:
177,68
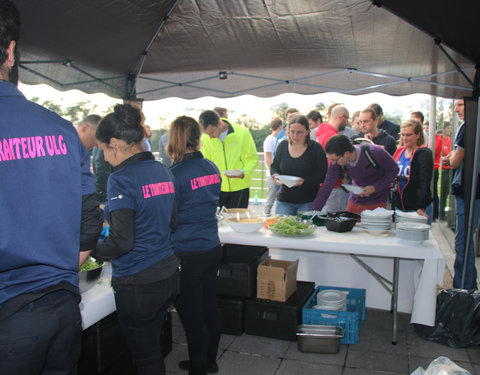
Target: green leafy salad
291,226
90,264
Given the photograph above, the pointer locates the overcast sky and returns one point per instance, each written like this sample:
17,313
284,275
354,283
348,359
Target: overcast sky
258,108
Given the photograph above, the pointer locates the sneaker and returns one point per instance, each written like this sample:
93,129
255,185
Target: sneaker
185,365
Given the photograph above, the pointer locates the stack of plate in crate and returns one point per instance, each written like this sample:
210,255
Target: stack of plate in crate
378,220
331,299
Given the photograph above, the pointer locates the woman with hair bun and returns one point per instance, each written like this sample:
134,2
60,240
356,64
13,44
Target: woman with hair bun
139,208
197,189
412,191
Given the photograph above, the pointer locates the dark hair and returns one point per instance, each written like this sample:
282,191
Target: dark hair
208,118
376,107
9,27
372,112
125,123
315,116
339,144
419,116
276,123
302,120
221,111
184,134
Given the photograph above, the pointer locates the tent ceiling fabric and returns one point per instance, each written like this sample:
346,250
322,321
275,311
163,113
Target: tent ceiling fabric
263,48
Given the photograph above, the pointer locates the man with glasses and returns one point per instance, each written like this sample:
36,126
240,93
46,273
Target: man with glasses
374,170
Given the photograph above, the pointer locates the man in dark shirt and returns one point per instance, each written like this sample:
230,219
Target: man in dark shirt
368,123
390,127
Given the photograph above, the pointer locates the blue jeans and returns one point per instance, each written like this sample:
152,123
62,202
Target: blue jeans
44,337
471,272
284,208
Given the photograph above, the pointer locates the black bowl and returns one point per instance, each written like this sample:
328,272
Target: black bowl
88,279
344,214
340,223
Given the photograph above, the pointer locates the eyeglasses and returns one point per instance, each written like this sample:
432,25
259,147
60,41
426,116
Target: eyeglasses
336,159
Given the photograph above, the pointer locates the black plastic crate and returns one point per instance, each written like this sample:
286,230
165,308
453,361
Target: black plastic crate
237,276
232,315
274,319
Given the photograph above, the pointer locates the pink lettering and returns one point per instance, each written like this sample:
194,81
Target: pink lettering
49,140
2,155
16,144
146,194
6,150
12,154
62,145
57,149
39,143
202,181
193,183
159,188
31,147
24,147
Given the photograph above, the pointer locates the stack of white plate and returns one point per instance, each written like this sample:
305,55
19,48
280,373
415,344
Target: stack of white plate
331,299
413,232
378,220
410,217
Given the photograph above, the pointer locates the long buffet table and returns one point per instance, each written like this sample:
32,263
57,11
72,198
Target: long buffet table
337,259
350,259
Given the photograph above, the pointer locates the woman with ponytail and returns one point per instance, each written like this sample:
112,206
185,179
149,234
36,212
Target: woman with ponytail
139,208
197,189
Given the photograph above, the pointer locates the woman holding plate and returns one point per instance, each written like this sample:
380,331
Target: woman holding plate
302,158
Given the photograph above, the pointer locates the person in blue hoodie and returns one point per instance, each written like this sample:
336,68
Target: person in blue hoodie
197,189
140,209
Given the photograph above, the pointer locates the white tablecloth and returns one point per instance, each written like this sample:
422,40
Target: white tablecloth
98,302
422,266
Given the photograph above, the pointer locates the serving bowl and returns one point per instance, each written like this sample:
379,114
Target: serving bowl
89,276
245,224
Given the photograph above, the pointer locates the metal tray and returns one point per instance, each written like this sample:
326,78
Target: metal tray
319,338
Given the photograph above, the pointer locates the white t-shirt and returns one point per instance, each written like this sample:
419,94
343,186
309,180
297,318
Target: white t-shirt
269,144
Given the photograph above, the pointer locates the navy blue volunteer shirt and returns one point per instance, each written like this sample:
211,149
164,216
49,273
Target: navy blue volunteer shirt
45,171
197,188
145,186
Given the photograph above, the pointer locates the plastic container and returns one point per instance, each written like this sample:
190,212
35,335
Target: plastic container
349,321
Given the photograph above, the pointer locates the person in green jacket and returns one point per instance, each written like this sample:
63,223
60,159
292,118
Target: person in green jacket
232,149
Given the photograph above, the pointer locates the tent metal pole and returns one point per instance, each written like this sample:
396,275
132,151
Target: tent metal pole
460,70
473,196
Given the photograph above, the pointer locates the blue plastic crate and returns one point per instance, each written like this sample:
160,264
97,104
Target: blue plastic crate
350,321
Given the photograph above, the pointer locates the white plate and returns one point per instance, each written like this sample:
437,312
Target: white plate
378,212
353,189
234,172
289,181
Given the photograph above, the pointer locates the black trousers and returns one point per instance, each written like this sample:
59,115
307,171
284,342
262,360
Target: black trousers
197,307
234,199
44,337
436,200
141,310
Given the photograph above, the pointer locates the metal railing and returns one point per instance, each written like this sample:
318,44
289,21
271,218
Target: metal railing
261,181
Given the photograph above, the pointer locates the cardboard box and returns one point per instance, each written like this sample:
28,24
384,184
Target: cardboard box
276,279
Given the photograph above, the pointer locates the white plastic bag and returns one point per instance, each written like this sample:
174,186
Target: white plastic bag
441,366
